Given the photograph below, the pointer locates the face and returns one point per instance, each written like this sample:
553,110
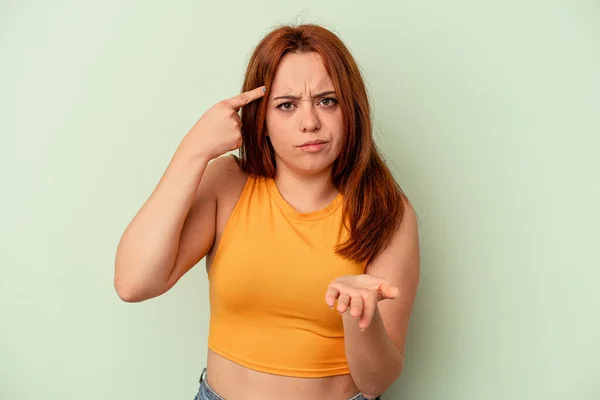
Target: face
304,120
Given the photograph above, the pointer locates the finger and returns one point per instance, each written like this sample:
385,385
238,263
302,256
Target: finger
388,291
343,302
331,295
237,144
238,120
356,306
247,97
367,314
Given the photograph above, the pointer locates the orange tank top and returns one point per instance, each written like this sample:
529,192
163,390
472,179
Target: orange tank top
268,282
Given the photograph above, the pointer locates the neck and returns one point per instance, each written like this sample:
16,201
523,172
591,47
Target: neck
305,193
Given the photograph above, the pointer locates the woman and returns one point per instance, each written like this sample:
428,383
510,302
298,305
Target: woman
311,247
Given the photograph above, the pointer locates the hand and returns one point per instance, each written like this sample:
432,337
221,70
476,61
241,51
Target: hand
219,130
359,294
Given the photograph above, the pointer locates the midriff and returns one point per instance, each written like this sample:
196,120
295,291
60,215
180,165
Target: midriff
236,382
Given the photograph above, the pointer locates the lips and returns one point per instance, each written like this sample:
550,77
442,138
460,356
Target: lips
313,142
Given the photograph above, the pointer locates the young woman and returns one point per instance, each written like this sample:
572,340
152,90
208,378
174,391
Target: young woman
311,247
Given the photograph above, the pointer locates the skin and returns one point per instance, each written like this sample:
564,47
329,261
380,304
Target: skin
303,107
376,306
184,219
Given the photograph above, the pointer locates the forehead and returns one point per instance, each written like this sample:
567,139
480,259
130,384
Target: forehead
300,73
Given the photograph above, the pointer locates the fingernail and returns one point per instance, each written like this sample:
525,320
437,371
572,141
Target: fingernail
264,89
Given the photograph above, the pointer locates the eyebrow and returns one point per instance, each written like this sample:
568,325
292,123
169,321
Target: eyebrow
290,97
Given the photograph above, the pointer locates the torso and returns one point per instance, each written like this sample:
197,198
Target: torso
233,381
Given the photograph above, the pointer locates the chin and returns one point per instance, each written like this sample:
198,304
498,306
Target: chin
314,168
305,164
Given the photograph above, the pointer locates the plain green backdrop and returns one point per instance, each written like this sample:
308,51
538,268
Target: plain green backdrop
487,111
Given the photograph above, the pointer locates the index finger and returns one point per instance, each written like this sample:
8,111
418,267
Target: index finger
247,97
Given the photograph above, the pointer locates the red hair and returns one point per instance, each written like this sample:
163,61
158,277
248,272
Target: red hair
373,201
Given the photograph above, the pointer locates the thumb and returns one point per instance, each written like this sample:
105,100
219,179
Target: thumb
389,291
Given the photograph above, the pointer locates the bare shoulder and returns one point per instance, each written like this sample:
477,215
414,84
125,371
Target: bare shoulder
227,163
221,173
227,178
409,226
402,253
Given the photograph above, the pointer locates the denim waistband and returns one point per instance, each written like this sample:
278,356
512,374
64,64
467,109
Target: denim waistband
205,392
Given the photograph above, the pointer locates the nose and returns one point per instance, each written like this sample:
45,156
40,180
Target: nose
309,121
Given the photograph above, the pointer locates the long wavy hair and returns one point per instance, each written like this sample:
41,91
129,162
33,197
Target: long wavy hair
374,203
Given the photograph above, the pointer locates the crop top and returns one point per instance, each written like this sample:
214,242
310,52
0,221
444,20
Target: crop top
267,285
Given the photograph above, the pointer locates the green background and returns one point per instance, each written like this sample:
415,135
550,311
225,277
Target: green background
487,111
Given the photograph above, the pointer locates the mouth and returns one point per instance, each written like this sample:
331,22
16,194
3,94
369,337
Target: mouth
313,146
313,143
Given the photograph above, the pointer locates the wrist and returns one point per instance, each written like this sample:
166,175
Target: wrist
185,154
185,164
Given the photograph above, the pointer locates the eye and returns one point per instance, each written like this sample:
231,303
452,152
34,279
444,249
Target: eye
285,106
329,101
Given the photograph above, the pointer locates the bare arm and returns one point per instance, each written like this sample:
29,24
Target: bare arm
376,354
172,232
175,228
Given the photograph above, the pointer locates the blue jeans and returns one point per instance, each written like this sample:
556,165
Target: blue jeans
205,392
